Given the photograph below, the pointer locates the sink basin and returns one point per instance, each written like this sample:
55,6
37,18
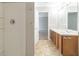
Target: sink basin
68,31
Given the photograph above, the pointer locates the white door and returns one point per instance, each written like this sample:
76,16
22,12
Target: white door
1,29
15,29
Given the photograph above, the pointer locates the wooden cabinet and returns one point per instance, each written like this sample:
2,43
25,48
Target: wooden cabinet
67,45
60,44
53,36
57,40
70,45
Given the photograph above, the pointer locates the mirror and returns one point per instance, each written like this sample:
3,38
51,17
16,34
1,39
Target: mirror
72,20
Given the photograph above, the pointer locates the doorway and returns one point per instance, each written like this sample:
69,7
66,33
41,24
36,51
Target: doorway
43,25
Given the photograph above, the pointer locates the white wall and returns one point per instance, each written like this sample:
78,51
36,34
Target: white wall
62,19
57,17
42,6
78,26
36,30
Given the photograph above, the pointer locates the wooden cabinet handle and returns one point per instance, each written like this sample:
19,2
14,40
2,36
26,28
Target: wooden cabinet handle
67,37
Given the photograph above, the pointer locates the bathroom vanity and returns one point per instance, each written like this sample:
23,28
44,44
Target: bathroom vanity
66,41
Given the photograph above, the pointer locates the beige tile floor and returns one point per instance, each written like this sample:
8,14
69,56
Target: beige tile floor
46,48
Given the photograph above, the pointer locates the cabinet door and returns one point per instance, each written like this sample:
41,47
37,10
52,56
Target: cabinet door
57,40
51,35
60,43
70,46
54,37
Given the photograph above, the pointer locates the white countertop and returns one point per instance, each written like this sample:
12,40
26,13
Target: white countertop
65,31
